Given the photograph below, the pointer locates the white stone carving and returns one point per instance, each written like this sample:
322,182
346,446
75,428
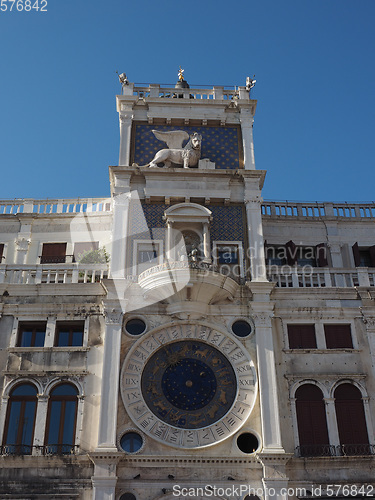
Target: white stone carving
187,156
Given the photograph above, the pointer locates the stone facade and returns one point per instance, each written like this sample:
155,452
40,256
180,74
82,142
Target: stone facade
184,337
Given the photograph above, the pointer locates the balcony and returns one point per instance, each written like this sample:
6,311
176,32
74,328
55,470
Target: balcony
319,277
48,450
342,450
200,282
24,274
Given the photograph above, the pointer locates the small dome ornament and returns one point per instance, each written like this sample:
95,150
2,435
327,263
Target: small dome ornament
181,74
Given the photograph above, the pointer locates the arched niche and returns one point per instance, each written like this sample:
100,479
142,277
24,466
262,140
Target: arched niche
190,221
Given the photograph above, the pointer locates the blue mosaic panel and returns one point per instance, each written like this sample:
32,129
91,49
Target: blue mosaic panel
146,223
220,145
228,223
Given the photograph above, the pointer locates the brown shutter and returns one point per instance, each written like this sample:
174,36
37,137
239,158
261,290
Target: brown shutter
351,420
301,337
291,253
372,255
322,255
311,418
356,255
53,253
1,251
338,336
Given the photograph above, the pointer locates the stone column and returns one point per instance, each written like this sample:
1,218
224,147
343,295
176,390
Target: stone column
275,479
369,321
256,242
206,242
121,206
40,422
269,402
333,432
247,120
104,479
110,380
125,134
3,412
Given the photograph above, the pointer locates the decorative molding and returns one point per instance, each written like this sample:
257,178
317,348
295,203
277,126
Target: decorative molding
113,316
22,244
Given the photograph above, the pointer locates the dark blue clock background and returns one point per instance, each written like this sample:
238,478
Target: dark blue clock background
189,384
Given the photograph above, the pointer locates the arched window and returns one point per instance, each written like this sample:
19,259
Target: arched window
61,419
351,420
312,422
20,420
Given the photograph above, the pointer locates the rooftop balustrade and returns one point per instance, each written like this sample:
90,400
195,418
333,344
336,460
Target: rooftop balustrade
279,209
55,206
170,91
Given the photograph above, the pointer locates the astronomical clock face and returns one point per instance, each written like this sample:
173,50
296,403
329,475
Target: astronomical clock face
188,385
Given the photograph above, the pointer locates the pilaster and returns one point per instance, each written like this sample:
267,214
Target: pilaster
256,242
262,314
275,478
40,420
104,479
247,120
110,379
126,118
121,206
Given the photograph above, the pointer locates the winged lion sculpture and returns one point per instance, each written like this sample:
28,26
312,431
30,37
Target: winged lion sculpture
188,156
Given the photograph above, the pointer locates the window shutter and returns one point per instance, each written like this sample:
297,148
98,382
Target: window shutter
351,420
53,253
311,417
338,336
291,252
356,255
372,255
1,251
301,337
321,255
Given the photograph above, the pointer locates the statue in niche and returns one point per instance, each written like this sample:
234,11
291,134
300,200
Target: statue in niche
192,244
187,157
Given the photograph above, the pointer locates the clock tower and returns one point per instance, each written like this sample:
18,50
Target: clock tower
190,396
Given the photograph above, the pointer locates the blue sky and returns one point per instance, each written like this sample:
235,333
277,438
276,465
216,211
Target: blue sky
313,60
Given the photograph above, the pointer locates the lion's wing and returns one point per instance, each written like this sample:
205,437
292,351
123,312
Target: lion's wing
174,138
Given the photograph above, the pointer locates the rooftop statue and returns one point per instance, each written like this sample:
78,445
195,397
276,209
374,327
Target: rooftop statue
188,156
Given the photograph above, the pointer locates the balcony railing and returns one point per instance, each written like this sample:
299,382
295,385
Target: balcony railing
64,206
170,91
326,450
203,267
24,274
319,277
288,209
49,449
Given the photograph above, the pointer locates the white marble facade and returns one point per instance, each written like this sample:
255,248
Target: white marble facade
201,277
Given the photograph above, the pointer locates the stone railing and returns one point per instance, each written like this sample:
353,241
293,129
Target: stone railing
318,210
201,266
64,206
292,277
23,274
158,91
